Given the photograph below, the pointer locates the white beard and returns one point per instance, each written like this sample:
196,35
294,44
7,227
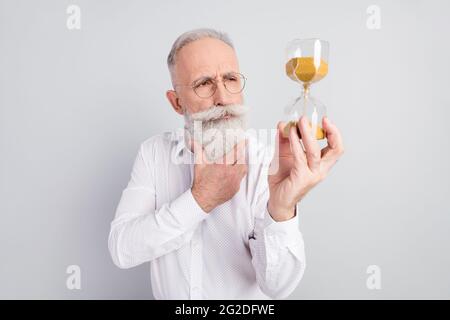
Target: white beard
216,134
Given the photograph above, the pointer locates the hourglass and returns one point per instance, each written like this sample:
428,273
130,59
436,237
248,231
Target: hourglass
307,62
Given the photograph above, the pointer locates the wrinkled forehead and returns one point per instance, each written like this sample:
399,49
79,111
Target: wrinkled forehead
205,57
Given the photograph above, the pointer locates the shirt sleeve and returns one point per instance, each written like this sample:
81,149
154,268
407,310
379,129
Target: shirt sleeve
140,233
277,248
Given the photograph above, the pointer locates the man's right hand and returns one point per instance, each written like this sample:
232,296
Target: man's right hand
217,182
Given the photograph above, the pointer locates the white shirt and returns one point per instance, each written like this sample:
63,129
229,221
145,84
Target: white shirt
236,251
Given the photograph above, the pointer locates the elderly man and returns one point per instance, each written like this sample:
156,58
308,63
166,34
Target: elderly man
212,223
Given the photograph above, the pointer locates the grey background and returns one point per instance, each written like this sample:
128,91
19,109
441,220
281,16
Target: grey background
75,105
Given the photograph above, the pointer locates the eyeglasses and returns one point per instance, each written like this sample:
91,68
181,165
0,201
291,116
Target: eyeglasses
205,87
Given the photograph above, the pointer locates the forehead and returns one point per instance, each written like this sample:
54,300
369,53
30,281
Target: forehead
205,57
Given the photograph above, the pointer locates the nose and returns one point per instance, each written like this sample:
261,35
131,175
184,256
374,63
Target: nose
222,97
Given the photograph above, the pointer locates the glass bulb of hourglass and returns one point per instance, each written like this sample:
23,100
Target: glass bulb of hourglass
307,63
312,108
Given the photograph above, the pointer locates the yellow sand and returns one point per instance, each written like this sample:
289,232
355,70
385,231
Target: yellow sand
320,133
303,69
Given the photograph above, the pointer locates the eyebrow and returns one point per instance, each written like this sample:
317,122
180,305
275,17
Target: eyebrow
207,77
201,79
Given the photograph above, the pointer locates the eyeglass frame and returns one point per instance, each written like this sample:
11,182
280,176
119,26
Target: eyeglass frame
194,83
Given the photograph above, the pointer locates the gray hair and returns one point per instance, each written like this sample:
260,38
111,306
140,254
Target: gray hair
191,36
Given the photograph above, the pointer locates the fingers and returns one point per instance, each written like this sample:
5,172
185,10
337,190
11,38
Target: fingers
241,152
312,148
235,159
335,148
334,137
239,165
235,155
296,147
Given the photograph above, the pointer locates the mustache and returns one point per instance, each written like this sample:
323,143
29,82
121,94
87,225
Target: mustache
218,112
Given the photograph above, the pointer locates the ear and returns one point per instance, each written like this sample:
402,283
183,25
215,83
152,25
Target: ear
174,101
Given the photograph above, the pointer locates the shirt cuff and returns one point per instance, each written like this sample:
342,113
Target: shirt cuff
187,210
286,226
286,232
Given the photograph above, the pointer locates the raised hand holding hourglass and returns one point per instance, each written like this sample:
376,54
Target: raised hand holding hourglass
307,62
299,165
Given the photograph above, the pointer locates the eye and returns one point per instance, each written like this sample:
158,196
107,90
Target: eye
206,82
232,77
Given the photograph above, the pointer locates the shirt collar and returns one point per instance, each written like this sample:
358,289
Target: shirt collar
181,138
